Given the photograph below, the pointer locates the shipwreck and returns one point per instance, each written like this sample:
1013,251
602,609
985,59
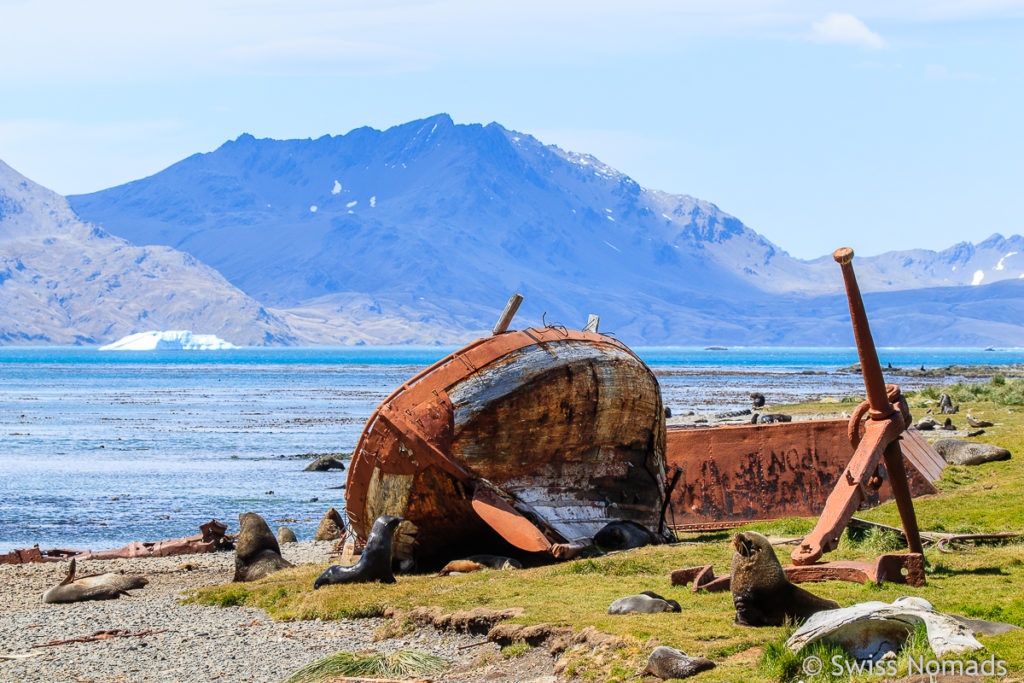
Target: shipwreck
535,438
538,438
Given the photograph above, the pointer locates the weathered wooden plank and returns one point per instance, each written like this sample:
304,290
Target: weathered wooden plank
921,455
506,316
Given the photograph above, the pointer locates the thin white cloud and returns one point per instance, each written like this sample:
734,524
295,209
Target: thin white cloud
845,29
939,72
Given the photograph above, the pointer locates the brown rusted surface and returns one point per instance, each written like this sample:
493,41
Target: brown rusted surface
509,522
565,426
211,539
902,568
703,579
34,554
738,474
888,417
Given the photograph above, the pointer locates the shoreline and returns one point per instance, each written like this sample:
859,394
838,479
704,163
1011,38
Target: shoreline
193,642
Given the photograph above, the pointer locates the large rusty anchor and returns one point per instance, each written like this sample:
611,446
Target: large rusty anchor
887,418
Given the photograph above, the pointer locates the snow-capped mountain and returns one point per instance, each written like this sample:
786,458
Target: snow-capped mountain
419,233
65,282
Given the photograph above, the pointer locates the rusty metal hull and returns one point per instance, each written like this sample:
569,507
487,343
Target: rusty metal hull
553,432
733,475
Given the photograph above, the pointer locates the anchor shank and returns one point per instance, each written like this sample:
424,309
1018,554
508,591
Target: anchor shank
870,368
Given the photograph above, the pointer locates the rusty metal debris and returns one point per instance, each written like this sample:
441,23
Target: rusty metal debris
212,538
902,568
940,540
536,438
34,554
738,474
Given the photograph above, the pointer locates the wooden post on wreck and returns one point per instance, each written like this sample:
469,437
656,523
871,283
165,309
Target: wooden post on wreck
592,322
506,316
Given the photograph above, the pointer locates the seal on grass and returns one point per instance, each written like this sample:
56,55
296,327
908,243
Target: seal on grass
256,550
475,563
93,587
762,594
375,562
647,602
623,535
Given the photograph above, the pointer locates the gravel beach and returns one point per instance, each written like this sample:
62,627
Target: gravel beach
201,643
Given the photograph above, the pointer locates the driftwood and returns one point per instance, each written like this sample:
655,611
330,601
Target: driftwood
101,635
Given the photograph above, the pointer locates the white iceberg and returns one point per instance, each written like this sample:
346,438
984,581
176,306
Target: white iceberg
155,340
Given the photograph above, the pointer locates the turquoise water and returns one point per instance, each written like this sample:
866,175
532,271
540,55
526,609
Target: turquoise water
98,449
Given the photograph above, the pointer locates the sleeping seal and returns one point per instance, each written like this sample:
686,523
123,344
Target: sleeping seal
623,535
644,603
93,587
762,594
375,562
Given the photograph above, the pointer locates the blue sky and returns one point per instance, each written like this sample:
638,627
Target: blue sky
876,124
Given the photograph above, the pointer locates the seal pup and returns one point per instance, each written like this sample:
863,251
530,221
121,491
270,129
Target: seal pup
647,602
331,527
286,535
475,563
762,594
375,562
256,550
107,586
668,662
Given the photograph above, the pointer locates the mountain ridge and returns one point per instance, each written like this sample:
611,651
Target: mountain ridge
418,234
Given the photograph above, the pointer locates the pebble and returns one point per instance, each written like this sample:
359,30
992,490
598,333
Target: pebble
199,644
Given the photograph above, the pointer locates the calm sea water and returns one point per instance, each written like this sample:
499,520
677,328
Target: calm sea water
99,448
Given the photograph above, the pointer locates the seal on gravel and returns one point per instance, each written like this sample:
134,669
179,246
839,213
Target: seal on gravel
286,535
93,587
375,562
256,550
762,594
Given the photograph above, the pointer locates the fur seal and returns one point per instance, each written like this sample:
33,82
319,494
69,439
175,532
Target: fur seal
256,550
644,603
475,563
762,594
623,535
668,662
331,527
375,562
286,535
93,587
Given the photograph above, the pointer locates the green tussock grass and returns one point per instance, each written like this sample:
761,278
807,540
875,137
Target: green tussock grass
376,665
982,583
998,390
514,650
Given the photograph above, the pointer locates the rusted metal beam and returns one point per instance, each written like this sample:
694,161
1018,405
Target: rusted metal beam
902,568
888,418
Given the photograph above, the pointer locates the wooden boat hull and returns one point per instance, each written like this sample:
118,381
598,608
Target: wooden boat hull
534,437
